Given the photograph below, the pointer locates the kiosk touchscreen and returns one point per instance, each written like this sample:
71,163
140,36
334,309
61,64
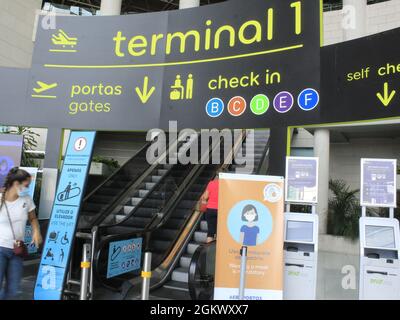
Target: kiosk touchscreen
300,256
379,259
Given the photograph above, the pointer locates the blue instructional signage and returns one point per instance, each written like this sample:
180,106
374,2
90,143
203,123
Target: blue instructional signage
124,256
57,246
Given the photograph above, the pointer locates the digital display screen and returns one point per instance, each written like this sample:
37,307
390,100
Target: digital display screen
299,231
379,237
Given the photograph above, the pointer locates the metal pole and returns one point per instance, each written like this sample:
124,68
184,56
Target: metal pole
146,275
94,239
85,271
243,263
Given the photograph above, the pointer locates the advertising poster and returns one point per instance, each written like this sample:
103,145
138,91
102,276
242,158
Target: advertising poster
301,180
378,182
250,213
61,231
30,192
124,256
10,153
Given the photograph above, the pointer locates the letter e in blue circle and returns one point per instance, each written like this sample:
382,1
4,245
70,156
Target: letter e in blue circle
215,107
308,99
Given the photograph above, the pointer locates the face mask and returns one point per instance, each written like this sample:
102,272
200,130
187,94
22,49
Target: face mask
23,191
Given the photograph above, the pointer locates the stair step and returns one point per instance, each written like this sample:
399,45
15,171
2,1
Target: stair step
180,275
203,225
128,209
191,248
200,236
185,260
135,201
175,285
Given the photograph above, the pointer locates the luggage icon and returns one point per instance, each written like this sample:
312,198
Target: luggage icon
53,236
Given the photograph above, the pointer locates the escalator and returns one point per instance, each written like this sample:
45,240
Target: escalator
128,199
174,284
167,220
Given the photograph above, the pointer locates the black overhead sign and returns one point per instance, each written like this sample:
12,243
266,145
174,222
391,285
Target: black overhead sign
252,63
237,64
361,78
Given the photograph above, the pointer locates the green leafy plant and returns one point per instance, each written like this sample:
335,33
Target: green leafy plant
30,143
344,210
111,163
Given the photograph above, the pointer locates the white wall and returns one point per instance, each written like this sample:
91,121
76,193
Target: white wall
380,17
17,18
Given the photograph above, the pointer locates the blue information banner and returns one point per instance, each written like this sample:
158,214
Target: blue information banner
124,256
57,246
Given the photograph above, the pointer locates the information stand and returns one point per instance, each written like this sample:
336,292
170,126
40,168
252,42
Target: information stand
301,229
379,236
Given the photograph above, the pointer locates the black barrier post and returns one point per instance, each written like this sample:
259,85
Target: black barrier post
277,151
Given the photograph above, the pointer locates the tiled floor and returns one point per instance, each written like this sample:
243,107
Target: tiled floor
330,276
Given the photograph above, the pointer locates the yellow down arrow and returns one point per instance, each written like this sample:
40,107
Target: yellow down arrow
145,94
386,98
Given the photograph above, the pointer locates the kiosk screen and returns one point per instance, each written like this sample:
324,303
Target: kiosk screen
299,231
379,237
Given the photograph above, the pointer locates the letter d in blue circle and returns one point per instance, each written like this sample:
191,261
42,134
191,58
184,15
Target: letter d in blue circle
215,107
308,99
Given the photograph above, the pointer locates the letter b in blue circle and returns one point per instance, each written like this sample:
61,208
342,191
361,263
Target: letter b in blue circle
308,99
215,107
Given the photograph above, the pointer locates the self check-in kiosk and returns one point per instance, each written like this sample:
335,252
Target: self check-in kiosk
379,259
300,254
379,237
301,229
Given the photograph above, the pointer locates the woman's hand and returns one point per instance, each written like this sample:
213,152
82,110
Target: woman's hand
37,239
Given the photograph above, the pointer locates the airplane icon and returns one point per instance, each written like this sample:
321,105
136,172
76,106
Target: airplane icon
62,39
44,86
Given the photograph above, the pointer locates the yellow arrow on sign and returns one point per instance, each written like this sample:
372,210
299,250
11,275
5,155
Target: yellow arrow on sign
145,94
386,98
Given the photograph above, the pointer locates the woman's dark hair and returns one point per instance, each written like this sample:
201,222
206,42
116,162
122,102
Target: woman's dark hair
14,175
247,208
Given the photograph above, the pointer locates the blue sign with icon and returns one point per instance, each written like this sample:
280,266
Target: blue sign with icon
124,256
57,246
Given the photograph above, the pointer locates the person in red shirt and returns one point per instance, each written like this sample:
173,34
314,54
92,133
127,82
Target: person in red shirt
210,197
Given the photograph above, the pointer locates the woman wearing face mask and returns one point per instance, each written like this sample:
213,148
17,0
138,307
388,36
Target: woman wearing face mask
15,210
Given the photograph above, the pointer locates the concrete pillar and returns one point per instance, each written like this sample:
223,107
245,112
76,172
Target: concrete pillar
354,19
110,7
321,150
184,4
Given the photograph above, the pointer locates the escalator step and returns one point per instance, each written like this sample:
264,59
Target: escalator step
155,178
135,201
127,209
180,275
203,226
143,192
192,246
200,236
145,212
175,285
185,260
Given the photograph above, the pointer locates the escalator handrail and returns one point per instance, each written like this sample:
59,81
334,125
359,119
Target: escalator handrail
194,265
146,145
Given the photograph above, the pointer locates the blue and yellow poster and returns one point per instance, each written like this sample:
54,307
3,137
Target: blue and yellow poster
64,216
